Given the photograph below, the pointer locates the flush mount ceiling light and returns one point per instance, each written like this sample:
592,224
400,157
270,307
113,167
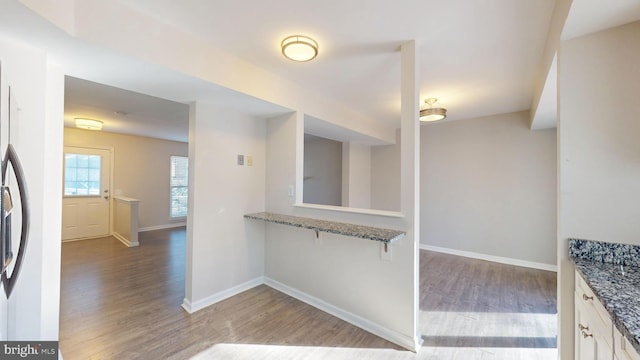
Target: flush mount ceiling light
432,113
299,48
88,124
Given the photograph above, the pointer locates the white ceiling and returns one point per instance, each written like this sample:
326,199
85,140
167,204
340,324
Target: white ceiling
478,57
588,16
124,111
585,17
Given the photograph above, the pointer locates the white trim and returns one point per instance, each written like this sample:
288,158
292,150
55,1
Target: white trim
367,325
124,240
85,238
192,307
498,259
160,227
126,200
394,214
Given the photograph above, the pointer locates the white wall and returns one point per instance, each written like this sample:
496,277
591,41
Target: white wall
141,170
599,151
488,187
337,173
345,275
343,272
225,253
323,168
600,125
356,172
284,161
385,176
38,86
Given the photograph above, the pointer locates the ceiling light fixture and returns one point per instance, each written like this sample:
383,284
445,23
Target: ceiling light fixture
299,48
432,113
88,124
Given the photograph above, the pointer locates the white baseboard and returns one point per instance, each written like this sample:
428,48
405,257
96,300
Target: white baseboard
85,238
192,307
160,227
124,240
367,325
498,259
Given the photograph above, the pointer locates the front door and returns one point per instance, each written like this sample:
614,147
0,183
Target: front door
86,199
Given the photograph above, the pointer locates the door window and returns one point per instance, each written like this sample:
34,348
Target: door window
82,175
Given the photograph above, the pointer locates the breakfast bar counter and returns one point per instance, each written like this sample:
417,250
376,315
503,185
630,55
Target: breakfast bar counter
360,231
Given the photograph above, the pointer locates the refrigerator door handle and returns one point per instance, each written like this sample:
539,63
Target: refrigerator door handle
11,157
6,206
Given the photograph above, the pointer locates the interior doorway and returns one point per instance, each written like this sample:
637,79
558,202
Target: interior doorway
86,198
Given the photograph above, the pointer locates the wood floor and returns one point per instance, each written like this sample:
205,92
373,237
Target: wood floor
474,309
124,303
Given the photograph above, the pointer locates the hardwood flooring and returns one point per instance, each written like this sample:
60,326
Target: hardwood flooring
475,309
124,303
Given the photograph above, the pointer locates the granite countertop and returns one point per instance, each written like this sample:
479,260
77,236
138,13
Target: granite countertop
334,227
612,273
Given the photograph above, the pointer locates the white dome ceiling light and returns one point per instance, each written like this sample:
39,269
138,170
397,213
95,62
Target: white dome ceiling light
299,48
432,113
88,124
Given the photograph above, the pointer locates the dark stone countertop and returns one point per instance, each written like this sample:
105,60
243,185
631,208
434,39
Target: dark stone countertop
617,286
334,227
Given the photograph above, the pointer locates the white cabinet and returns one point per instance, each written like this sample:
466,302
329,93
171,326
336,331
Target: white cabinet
593,336
622,349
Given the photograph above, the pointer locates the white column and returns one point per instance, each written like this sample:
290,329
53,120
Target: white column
225,254
410,165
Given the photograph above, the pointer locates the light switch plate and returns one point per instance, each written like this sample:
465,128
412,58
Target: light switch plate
240,159
249,160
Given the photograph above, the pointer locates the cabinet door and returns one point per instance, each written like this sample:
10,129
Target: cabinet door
594,329
585,346
622,349
603,348
596,332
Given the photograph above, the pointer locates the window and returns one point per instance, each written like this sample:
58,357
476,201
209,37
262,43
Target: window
82,175
178,184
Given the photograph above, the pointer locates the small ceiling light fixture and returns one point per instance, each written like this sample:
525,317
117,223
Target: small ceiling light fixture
299,48
88,124
432,113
